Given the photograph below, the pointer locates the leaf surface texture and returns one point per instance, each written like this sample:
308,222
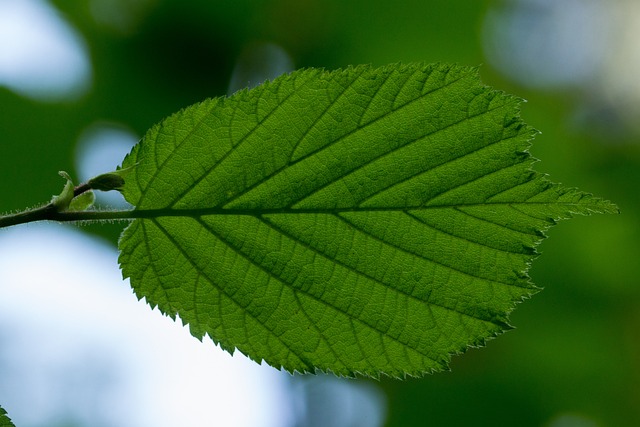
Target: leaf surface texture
366,220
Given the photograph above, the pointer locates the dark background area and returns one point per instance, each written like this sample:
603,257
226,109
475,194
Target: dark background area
574,359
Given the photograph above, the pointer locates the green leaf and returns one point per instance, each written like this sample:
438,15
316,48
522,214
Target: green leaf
5,421
83,201
358,221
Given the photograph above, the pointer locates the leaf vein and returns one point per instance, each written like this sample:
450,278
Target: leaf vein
367,275
424,258
318,299
178,197
173,152
463,238
503,225
222,290
391,152
334,142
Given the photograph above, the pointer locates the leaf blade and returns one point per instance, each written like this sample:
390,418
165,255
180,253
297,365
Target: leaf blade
337,221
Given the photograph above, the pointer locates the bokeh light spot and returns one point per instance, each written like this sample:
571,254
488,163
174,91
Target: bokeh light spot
41,55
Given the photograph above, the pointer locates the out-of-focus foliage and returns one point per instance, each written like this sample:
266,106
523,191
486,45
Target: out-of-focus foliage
575,351
4,419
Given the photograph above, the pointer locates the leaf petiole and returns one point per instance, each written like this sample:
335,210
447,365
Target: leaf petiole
62,207
49,212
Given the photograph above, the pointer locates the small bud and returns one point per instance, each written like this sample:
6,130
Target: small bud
62,200
110,181
106,182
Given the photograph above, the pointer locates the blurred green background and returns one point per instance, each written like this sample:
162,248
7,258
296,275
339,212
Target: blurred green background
574,359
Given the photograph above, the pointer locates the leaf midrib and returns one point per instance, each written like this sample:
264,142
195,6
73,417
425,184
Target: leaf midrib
132,214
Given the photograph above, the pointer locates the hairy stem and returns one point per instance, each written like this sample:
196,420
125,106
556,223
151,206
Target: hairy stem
48,212
30,215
